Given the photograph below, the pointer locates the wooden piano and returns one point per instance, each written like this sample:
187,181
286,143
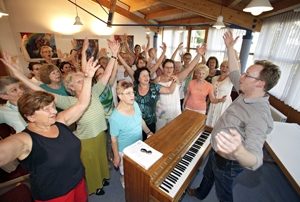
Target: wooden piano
184,144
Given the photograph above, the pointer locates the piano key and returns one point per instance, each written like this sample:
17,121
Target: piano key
181,170
168,186
171,179
173,176
169,182
164,188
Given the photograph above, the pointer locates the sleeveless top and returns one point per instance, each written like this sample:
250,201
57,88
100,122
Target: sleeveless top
54,163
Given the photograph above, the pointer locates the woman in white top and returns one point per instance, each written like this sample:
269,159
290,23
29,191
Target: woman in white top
222,87
168,106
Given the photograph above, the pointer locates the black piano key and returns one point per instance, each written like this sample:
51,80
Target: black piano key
197,146
184,166
165,182
202,139
206,133
184,163
179,168
166,185
173,176
199,143
190,154
171,180
193,150
176,172
164,188
188,158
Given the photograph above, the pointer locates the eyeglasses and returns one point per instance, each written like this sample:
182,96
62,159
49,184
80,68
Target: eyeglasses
146,151
249,76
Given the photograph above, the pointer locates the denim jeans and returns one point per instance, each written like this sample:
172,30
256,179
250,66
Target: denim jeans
222,172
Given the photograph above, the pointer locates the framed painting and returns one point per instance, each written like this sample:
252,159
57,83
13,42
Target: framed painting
36,41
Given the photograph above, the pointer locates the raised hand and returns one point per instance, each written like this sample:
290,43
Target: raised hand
180,46
229,40
24,39
114,46
163,47
201,49
90,68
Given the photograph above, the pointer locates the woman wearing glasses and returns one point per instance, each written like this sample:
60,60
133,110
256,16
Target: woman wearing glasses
126,124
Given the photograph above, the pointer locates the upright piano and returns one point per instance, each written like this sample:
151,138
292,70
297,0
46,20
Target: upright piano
184,144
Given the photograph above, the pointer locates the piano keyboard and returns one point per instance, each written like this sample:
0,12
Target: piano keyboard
173,182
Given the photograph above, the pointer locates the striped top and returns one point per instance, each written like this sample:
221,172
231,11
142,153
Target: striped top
92,122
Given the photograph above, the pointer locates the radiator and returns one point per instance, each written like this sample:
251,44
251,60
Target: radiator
277,115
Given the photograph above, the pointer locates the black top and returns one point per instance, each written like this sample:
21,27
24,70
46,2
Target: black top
54,163
209,78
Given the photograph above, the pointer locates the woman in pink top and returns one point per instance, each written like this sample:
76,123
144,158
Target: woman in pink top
198,90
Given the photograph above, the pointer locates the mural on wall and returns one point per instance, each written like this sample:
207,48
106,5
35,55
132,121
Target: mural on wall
36,40
130,41
92,50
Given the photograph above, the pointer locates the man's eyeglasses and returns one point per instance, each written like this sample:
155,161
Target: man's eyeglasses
249,76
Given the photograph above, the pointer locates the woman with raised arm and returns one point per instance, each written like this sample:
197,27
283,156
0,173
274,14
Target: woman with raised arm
222,87
91,126
47,148
168,106
147,94
198,90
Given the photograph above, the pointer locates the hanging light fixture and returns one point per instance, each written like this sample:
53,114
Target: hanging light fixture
219,24
2,11
77,18
256,7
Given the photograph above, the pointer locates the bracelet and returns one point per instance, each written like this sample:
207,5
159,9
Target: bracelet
114,57
148,132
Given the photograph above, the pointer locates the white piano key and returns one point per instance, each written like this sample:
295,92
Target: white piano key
184,174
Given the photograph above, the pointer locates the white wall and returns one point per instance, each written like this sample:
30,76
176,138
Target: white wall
58,16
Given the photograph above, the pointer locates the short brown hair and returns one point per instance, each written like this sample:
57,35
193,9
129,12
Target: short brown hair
28,103
270,73
123,85
45,71
5,81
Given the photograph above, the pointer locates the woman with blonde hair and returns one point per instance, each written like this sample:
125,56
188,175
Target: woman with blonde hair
222,87
198,90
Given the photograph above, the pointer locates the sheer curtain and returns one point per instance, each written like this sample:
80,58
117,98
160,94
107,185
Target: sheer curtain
279,41
215,43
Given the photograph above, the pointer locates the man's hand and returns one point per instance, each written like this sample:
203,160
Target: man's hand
228,142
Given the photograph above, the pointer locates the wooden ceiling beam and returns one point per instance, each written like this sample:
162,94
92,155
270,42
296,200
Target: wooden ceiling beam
123,12
163,13
280,7
212,10
192,20
234,3
139,4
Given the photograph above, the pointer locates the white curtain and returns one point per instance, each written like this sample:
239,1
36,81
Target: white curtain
215,43
279,42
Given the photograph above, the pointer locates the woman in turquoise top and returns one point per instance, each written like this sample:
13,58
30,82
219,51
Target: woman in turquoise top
52,80
126,124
